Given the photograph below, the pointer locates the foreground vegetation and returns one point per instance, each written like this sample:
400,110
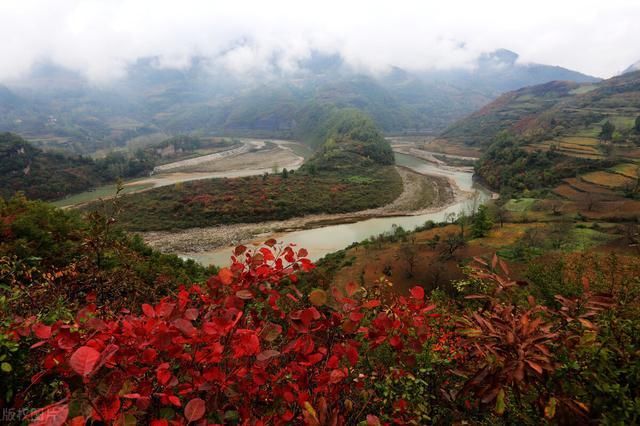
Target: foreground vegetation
267,340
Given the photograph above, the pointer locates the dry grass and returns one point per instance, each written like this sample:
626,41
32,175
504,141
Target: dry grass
583,186
568,192
610,180
629,170
574,146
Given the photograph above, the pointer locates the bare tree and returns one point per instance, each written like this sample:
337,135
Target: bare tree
409,253
450,245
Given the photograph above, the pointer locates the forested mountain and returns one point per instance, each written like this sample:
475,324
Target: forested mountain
59,108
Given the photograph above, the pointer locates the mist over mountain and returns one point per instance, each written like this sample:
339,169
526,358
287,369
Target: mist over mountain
65,110
633,67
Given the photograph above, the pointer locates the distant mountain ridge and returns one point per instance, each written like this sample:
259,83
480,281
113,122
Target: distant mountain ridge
552,110
633,67
63,110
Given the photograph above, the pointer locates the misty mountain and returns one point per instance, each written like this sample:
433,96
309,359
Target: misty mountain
60,109
633,67
553,111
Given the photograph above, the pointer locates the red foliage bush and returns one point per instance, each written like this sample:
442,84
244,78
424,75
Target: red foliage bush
247,347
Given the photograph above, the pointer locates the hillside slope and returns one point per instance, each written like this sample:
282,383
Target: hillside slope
42,175
555,110
577,144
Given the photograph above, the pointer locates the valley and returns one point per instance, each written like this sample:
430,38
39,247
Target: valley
251,157
318,215
323,234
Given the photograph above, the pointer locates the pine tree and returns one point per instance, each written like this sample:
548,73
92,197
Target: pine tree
481,223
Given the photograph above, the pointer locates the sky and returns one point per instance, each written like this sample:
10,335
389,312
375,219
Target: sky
99,38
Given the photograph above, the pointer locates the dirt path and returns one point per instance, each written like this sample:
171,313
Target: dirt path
421,194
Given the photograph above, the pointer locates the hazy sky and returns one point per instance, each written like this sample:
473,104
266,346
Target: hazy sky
99,37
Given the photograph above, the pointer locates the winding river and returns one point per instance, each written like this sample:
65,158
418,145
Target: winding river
323,240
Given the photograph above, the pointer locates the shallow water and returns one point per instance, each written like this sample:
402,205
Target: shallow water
327,239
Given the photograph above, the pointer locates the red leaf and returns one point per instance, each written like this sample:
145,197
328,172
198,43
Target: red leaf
239,250
78,421
83,360
191,314
244,294
351,288
373,420
175,400
159,422
268,354
226,276
42,331
56,415
417,293
270,242
303,253
336,376
185,327
148,310
194,410
163,376
369,304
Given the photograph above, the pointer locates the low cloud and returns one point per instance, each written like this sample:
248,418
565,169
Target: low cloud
100,38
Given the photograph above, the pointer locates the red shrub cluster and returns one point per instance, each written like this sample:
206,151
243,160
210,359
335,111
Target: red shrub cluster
247,347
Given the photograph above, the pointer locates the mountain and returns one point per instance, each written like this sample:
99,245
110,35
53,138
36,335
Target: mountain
578,144
633,67
557,109
42,175
59,109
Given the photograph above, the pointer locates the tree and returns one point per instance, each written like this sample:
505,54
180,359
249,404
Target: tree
637,126
481,223
607,131
285,173
409,253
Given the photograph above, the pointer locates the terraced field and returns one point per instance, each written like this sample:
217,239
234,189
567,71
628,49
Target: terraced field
607,179
630,170
574,146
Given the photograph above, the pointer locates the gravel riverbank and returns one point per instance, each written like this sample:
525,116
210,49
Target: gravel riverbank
421,194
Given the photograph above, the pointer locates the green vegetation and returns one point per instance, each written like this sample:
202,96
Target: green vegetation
351,140
49,176
41,245
211,202
607,131
508,167
351,171
481,222
556,110
42,175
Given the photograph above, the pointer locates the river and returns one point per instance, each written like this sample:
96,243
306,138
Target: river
323,240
